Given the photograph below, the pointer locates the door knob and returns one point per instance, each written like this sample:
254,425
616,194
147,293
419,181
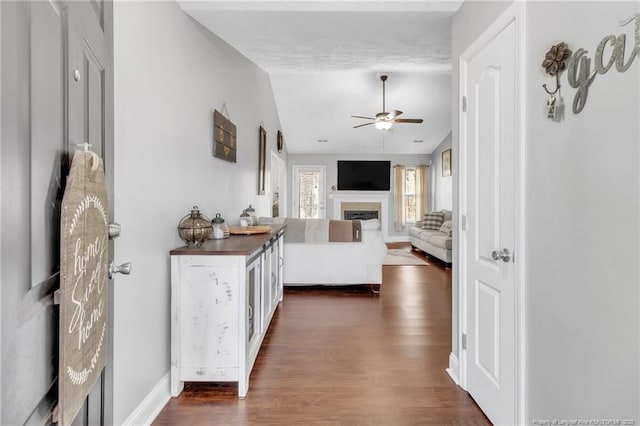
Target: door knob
114,230
503,255
124,269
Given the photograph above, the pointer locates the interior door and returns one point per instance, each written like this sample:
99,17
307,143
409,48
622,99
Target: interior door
308,188
31,169
487,147
39,131
88,75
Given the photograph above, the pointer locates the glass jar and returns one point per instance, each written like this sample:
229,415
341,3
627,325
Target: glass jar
245,219
194,228
220,228
252,216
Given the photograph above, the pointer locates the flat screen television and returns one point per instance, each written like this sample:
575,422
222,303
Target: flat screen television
364,175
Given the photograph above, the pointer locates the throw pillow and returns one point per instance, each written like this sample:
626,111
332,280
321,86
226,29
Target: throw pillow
446,228
433,220
370,224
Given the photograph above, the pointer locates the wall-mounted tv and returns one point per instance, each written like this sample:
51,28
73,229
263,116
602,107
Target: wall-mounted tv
364,175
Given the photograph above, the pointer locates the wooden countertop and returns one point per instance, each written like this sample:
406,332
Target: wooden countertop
235,245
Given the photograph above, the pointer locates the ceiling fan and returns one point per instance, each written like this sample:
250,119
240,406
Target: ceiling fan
384,120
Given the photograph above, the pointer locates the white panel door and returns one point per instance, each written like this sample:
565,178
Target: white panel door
488,142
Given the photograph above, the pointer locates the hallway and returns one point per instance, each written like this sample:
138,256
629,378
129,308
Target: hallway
344,356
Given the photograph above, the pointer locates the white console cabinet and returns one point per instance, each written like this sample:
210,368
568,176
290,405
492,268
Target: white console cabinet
223,296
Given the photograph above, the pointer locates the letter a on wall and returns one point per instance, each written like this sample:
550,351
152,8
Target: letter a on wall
83,281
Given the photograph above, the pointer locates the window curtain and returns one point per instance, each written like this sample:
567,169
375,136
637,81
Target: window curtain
398,192
422,199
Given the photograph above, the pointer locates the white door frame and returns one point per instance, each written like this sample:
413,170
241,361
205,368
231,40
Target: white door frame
515,13
277,161
295,212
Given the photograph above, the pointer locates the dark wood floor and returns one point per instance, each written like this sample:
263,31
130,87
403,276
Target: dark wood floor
344,356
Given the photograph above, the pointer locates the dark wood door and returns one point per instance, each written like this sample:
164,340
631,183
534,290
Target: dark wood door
45,112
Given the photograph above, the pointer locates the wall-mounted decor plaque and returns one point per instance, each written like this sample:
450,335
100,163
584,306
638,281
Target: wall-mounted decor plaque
446,163
83,284
224,138
280,142
262,153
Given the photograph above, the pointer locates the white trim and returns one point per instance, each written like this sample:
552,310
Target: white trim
454,368
282,194
514,13
151,405
520,217
460,266
639,224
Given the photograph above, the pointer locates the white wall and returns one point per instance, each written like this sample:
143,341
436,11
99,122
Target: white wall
330,161
170,74
441,186
471,20
582,231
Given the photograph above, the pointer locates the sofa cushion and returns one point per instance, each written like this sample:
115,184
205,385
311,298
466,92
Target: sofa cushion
440,239
447,215
433,220
422,234
446,227
415,231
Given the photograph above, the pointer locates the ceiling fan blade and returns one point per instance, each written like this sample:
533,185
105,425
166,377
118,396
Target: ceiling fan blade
361,125
408,120
359,116
393,114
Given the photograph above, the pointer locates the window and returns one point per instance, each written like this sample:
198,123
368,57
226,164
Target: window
410,195
309,194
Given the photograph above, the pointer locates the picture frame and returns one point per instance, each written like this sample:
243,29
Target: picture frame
224,138
280,142
262,152
446,163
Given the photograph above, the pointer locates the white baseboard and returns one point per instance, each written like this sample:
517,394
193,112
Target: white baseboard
400,239
151,405
453,369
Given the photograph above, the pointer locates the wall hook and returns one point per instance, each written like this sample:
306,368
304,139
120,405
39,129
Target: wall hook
553,65
557,86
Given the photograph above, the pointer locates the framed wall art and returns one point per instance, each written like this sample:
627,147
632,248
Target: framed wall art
446,163
224,138
280,142
262,152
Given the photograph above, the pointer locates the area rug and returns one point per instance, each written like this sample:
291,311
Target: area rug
401,257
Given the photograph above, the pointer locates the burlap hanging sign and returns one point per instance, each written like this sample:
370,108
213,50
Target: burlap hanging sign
83,284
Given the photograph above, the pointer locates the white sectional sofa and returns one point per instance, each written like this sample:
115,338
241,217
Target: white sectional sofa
433,242
335,263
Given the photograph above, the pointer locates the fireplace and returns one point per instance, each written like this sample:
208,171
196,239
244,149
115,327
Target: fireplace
362,205
360,210
360,214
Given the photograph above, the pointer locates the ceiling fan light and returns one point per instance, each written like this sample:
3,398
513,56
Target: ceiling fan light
384,125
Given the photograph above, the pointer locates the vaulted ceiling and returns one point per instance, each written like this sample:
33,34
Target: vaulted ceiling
325,59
